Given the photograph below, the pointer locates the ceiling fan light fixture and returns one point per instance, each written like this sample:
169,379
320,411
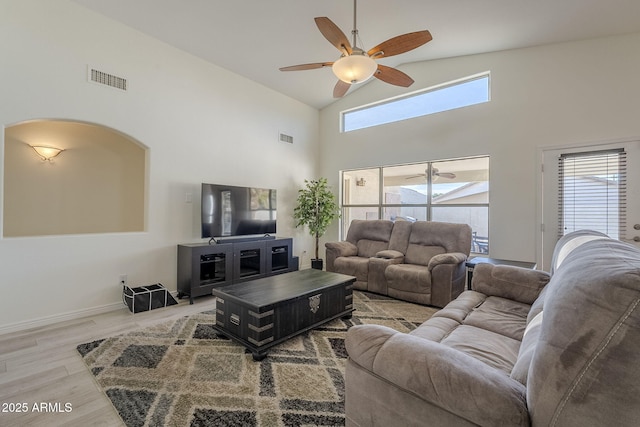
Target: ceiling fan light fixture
355,68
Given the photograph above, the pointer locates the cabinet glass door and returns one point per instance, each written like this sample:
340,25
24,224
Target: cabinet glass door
250,262
213,268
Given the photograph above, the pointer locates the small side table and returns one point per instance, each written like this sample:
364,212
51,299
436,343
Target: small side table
471,264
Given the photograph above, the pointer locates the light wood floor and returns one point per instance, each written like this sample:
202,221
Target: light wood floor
42,366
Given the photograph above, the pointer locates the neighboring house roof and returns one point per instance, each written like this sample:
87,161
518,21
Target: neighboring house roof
471,190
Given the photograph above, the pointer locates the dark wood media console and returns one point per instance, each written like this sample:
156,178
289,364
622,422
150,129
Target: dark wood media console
203,267
265,312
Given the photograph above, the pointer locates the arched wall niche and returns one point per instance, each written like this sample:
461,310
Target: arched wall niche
96,185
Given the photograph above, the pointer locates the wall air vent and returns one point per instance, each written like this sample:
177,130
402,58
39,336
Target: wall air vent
286,138
100,77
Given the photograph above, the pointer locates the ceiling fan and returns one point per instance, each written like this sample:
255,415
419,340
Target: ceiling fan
355,65
434,173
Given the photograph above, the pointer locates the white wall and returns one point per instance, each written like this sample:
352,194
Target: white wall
200,122
545,96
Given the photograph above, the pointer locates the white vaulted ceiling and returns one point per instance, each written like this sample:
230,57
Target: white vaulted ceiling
254,38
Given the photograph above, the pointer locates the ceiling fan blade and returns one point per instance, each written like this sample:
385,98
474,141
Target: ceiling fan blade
437,174
334,34
400,44
302,67
447,175
392,76
340,89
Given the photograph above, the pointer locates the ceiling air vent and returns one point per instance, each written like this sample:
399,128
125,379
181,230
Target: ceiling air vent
286,138
107,79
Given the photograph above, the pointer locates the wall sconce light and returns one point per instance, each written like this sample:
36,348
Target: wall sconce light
360,182
46,153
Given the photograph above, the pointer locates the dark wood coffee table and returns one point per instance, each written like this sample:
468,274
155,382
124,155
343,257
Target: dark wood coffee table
264,312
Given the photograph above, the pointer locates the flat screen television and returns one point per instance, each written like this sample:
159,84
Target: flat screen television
237,211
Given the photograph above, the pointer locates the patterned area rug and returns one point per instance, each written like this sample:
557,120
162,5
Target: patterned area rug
180,373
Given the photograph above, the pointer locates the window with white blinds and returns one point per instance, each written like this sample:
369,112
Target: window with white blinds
592,192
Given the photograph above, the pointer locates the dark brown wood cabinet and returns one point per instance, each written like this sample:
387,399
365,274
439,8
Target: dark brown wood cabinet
202,267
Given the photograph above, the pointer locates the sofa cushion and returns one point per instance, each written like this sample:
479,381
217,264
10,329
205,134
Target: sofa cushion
500,315
428,238
353,266
421,255
488,329
400,236
495,350
459,308
451,237
438,328
378,230
409,277
369,248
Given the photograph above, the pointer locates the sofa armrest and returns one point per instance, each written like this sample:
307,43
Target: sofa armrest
515,283
440,375
342,248
448,258
337,249
390,254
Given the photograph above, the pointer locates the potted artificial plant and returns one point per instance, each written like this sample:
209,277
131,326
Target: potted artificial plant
316,208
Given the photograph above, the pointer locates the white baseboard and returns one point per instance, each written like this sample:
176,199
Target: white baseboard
57,318
63,317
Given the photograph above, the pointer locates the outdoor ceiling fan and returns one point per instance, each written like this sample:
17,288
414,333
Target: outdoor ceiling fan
355,65
434,173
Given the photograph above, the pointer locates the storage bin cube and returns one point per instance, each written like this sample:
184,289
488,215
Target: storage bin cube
145,298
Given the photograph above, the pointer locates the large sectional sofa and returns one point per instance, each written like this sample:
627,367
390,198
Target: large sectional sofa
422,262
522,348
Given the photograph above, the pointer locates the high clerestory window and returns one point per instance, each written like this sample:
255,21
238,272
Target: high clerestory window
447,191
449,96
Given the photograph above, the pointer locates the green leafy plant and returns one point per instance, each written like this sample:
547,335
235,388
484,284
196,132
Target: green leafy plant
316,208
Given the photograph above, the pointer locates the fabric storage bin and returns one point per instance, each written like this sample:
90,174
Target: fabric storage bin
145,298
